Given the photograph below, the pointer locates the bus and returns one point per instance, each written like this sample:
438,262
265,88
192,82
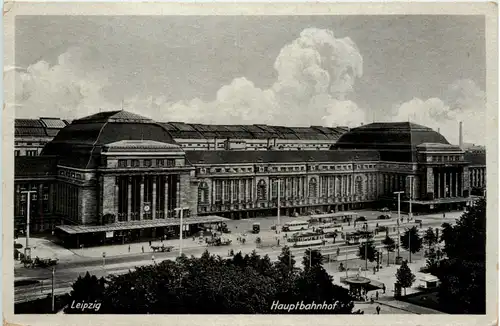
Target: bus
357,237
295,226
333,217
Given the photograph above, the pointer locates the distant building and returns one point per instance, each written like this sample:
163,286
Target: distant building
117,175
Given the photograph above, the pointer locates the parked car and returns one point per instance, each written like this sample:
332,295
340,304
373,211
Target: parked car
383,217
385,209
361,219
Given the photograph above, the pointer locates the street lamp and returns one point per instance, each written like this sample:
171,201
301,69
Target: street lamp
399,214
28,213
410,214
278,181
53,275
181,212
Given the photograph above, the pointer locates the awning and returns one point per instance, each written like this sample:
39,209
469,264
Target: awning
144,224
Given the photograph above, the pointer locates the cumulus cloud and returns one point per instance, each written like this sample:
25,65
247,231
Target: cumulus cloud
315,74
61,89
462,101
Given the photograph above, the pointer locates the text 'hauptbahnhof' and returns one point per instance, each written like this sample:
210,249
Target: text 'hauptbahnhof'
116,175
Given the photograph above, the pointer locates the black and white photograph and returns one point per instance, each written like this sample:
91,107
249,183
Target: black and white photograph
276,161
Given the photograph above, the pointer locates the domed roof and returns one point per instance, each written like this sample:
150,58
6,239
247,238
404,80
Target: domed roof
79,143
396,141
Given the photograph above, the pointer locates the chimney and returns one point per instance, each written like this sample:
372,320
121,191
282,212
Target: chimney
439,130
460,135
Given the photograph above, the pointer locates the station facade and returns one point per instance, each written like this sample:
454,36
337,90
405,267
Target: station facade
118,176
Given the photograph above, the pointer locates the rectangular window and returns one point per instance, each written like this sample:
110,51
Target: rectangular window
31,153
160,162
135,163
170,163
218,190
227,191
17,153
147,163
122,163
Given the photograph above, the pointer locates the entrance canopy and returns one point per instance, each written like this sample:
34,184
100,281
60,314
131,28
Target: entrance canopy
144,224
450,200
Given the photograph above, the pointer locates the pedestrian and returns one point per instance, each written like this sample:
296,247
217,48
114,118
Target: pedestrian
129,248
153,258
383,288
143,249
374,270
378,310
278,242
376,295
150,243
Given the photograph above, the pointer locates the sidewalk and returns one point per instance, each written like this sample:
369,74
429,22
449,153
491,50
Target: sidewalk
45,248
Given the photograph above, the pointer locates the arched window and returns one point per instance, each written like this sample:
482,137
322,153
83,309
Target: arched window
203,193
261,190
313,187
359,185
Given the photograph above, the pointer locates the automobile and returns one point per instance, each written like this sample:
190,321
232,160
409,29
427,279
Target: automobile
361,219
385,209
383,217
256,228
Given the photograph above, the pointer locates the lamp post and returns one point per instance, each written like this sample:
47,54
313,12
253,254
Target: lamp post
53,275
181,212
278,203
410,214
409,243
399,214
28,213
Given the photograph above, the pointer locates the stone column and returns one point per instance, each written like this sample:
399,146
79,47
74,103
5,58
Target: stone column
115,202
166,207
223,185
129,199
153,198
214,181
438,177
231,188
178,192
141,199
455,174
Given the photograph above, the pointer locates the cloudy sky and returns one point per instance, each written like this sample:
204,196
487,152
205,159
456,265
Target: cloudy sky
285,70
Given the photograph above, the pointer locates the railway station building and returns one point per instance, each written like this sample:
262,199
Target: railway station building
117,176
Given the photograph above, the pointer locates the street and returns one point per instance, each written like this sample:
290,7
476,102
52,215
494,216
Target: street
118,260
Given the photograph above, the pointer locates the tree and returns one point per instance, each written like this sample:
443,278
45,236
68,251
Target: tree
86,289
463,273
411,241
312,258
369,248
430,238
389,245
404,276
212,285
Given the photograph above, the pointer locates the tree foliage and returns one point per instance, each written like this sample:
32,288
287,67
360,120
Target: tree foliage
463,273
411,240
368,249
243,284
389,245
404,276
86,289
430,238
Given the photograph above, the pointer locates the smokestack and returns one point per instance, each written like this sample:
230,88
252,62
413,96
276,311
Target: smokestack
460,135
